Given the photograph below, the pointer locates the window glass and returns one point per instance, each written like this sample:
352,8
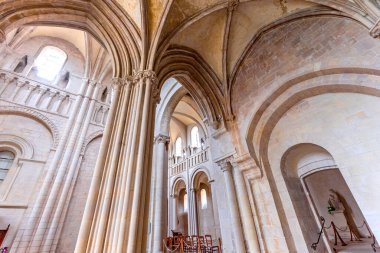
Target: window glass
203,199
6,161
195,137
185,203
50,62
178,147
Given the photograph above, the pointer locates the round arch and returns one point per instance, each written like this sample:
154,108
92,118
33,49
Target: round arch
198,172
177,182
91,138
52,128
198,78
295,87
117,34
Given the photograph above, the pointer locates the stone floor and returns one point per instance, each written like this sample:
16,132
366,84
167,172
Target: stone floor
363,246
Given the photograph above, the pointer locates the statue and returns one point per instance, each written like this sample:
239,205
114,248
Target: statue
337,203
334,203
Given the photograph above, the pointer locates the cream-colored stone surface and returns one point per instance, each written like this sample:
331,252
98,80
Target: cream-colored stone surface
256,77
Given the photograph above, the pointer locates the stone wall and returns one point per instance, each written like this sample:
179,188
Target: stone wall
285,66
78,201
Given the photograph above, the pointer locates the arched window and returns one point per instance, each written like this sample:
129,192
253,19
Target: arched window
203,199
50,62
21,65
185,207
195,143
6,161
178,147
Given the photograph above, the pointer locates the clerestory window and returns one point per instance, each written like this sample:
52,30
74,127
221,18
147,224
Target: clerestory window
195,141
50,62
178,147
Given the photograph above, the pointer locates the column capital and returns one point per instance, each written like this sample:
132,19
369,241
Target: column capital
92,82
161,139
145,74
151,75
117,83
225,164
21,83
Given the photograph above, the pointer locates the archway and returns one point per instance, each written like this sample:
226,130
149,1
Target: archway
206,219
180,208
318,189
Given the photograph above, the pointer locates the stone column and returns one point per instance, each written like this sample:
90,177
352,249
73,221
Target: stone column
173,213
25,235
192,212
89,212
28,93
246,212
64,196
19,85
116,214
159,223
56,198
226,167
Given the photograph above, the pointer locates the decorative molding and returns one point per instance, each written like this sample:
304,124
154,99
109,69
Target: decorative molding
25,148
145,74
117,83
161,139
225,164
36,115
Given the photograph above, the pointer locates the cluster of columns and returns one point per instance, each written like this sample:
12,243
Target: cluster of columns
116,214
243,225
45,221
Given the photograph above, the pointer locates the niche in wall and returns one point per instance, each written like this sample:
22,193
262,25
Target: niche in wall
21,64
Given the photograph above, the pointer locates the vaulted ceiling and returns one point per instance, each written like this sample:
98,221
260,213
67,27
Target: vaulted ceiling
201,40
219,31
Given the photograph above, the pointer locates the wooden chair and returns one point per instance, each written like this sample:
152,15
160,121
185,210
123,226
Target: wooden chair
209,247
202,244
189,245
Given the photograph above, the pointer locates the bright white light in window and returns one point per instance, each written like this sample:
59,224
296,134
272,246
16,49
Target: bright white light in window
178,147
185,203
49,62
203,199
6,161
195,137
